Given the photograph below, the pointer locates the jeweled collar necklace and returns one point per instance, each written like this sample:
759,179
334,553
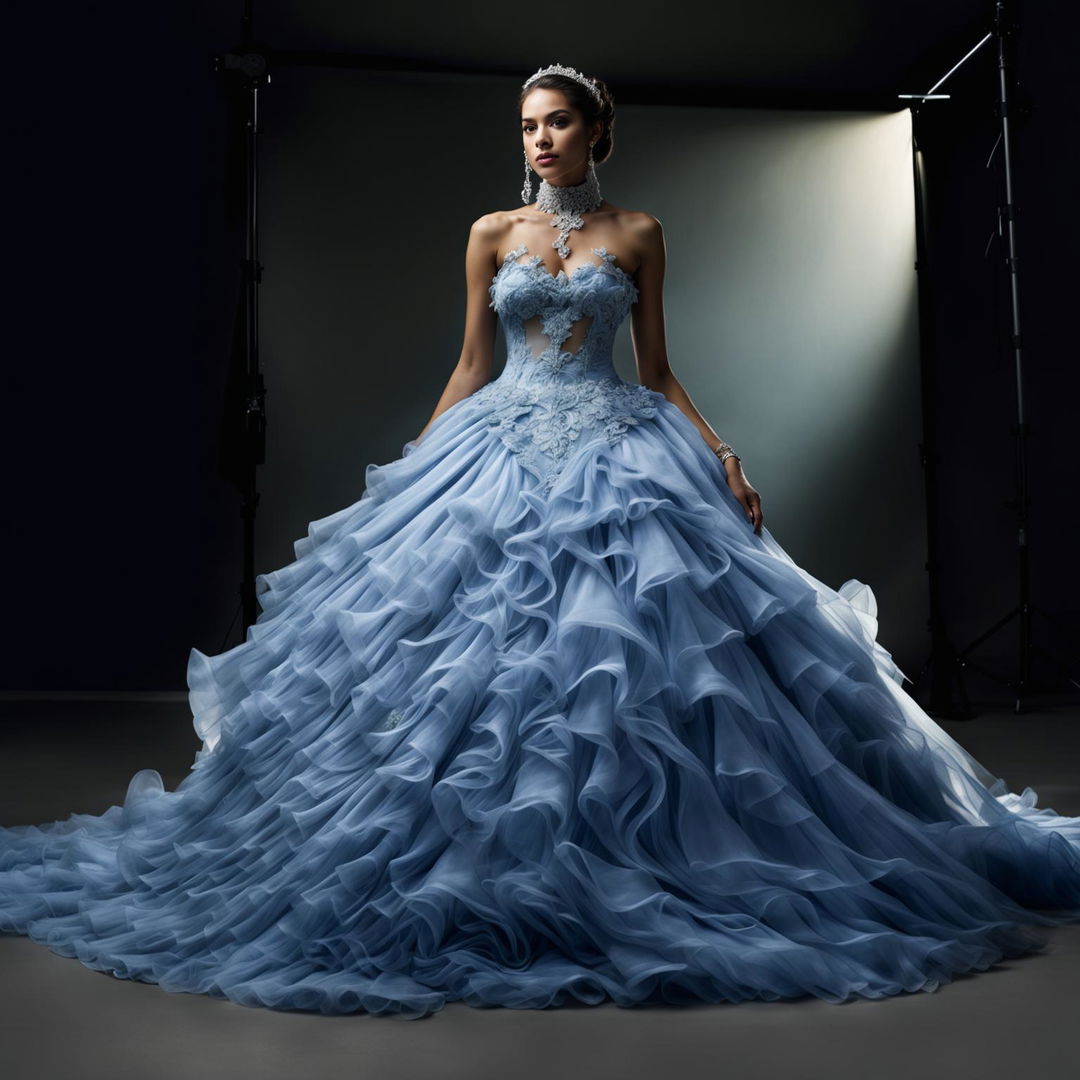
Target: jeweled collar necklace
568,204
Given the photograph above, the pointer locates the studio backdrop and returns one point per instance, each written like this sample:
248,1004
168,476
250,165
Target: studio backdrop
790,300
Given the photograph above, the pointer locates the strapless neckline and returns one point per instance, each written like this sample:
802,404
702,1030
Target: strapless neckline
536,264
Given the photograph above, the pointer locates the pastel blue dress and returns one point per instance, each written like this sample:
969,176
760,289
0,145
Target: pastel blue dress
538,719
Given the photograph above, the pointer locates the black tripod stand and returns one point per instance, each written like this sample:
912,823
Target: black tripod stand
945,663
244,432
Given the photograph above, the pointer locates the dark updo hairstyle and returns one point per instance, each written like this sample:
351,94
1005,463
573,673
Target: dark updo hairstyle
580,98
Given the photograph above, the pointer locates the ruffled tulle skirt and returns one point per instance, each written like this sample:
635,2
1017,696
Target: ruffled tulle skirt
516,749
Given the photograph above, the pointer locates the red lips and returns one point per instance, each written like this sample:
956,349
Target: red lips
545,157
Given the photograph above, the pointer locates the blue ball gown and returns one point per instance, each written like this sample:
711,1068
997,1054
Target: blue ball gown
540,719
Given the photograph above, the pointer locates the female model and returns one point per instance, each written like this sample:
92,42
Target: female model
548,714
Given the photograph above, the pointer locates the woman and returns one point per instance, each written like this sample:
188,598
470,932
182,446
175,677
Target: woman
548,714
563,146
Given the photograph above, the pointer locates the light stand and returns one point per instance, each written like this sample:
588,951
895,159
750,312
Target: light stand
946,663
245,418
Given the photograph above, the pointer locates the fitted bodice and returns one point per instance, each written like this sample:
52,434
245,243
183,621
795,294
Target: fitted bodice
559,389
560,326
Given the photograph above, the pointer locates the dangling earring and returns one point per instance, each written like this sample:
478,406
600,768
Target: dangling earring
592,164
526,191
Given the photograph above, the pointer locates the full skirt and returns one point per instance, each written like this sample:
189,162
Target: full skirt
516,748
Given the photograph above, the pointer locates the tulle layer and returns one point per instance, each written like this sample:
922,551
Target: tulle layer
511,749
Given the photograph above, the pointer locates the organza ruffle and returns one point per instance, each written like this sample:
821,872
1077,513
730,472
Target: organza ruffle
514,749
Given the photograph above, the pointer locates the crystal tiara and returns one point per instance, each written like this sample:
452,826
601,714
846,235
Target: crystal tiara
570,73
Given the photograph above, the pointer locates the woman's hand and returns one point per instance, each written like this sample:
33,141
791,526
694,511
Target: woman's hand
744,491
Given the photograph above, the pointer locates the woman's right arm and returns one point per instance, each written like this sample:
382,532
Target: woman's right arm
473,368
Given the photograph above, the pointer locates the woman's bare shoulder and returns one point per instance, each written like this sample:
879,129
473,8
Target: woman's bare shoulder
486,236
639,222
500,222
492,230
642,232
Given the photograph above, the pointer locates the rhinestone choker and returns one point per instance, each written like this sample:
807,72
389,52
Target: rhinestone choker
568,204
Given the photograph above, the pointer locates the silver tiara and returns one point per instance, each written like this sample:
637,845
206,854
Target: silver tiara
570,73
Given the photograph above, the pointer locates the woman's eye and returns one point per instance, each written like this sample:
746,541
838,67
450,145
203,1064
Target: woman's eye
561,120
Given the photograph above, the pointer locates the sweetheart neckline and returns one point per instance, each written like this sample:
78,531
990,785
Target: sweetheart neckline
536,262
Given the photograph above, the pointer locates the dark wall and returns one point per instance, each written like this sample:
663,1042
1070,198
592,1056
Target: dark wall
123,539
973,360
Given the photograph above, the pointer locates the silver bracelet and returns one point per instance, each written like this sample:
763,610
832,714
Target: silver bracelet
723,452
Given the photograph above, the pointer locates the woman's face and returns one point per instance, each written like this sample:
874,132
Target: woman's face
554,135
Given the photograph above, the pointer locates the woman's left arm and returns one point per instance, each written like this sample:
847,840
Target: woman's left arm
650,353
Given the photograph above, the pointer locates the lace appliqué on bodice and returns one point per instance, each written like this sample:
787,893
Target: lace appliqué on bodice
544,425
547,405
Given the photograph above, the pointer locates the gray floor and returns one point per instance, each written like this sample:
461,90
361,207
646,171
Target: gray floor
59,1019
